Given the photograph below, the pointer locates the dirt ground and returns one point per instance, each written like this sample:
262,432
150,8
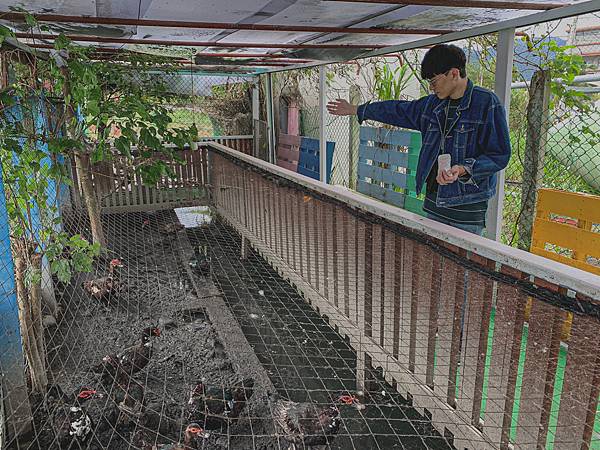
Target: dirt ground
240,319
159,292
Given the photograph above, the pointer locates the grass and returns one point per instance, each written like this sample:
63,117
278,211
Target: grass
185,117
556,394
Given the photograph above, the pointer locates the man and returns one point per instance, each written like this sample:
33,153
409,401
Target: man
460,119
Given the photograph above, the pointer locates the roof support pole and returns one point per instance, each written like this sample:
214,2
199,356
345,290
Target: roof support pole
255,118
504,65
270,119
322,141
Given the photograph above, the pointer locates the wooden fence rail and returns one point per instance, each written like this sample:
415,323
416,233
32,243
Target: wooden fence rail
472,330
121,189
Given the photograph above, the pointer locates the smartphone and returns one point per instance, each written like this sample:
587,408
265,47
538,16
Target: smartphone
444,161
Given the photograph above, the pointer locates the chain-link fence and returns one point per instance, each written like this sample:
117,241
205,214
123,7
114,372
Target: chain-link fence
166,335
218,105
563,144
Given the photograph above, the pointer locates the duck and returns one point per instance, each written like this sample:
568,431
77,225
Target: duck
215,405
305,424
192,439
115,367
104,287
71,423
99,407
110,370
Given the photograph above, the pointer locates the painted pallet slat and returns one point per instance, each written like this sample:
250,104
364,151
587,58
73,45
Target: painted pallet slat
387,165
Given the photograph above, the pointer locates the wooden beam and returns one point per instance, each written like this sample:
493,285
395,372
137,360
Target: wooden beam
465,4
57,18
107,40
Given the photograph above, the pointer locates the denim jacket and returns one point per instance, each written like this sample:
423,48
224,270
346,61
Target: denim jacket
478,139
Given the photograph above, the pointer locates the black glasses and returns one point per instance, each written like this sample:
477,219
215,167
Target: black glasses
433,81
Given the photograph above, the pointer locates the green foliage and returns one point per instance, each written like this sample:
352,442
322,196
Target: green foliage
114,105
32,208
390,83
564,65
106,106
4,33
81,255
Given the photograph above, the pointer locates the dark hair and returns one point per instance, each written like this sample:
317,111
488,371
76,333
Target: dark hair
441,58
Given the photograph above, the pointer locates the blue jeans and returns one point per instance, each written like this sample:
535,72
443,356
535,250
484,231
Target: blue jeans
475,229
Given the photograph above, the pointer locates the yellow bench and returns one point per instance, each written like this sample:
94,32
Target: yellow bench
565,219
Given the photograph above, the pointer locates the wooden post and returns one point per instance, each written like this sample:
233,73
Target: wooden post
353,139
535,150
256,118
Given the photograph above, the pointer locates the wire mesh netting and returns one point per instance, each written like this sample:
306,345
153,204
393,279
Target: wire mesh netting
467,343
320,326
163,286
219,105
274,314
562,141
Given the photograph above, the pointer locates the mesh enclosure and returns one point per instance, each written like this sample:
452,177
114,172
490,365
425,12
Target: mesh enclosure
219,105
481,351
236,305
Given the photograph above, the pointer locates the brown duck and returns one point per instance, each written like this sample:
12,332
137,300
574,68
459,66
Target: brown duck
104,287
305,424
116,367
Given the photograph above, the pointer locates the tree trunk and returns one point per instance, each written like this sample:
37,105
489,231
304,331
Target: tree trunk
82,161
83,169
30,315
35,302
535,151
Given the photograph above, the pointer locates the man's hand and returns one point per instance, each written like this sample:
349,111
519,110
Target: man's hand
341,107
450,176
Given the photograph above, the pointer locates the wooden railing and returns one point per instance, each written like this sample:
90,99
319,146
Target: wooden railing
120,188
242,143
473,330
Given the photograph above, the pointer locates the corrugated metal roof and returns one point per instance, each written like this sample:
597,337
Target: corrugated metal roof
343,20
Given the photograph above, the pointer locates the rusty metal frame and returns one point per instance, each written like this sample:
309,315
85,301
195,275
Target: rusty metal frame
270,56
107,40
58,18
466,4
